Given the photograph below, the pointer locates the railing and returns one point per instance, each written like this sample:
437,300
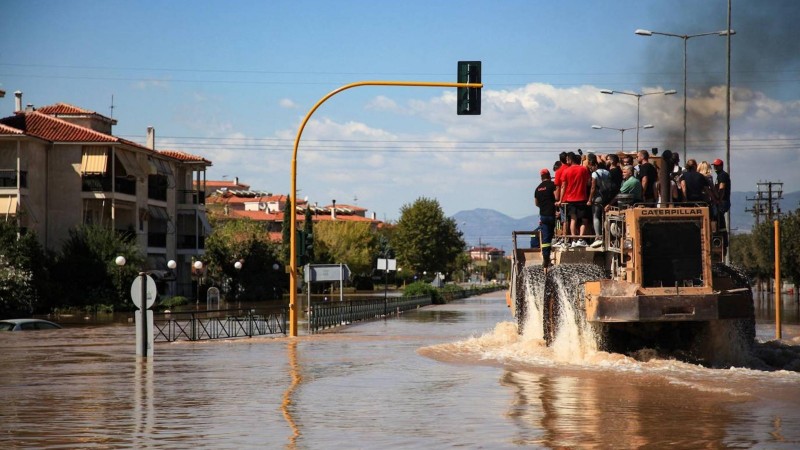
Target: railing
219,324
100,183
334,313
191,197
8,179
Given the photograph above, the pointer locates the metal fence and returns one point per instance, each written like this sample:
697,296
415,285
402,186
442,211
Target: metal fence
336,313
219,324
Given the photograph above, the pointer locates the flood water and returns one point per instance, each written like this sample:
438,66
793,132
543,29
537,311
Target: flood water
455,375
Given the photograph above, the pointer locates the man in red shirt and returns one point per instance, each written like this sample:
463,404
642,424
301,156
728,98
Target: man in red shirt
574,183
562,216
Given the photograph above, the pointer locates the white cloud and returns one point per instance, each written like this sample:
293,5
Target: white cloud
287,103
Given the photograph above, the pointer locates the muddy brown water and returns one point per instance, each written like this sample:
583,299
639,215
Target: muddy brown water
455,375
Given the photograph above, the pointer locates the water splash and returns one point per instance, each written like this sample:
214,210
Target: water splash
560,289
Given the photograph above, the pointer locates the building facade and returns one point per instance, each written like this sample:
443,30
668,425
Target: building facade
61,167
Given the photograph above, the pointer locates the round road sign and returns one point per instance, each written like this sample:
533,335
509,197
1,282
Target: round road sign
136,292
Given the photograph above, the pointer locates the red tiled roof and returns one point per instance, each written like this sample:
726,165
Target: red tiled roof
350,207
5,129
63,108
185,157
225,183
53,129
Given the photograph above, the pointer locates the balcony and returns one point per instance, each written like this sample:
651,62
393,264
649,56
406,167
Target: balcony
157,240
157,187
102,183
8,179
190,242
191,197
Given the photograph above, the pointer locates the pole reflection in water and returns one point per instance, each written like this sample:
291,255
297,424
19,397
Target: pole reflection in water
144,413
286,404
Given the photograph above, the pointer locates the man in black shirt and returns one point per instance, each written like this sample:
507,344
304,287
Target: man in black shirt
545,199
647,176
722,189
694,184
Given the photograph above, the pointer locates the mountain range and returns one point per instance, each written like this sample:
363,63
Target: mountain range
488,227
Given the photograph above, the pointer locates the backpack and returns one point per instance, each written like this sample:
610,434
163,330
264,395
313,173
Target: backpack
604,186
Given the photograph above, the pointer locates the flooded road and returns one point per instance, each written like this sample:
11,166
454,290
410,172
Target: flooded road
445,376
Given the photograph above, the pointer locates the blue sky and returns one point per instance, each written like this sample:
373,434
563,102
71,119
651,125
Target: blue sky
231,81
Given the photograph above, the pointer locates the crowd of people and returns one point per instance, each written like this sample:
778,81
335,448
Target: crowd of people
572,202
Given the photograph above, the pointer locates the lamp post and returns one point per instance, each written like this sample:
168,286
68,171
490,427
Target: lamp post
171,265
685,38
198,268
119,261
238,266
622,132
638,96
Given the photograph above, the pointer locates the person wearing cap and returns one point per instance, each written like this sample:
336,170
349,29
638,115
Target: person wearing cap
545,200
722,188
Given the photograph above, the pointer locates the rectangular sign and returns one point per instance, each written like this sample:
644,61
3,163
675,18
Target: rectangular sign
387,264
326,272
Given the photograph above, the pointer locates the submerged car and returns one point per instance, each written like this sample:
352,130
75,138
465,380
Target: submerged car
27,324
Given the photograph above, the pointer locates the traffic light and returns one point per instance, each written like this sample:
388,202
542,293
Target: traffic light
469,99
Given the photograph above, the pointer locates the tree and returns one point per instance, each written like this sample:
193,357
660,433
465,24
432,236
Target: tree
85,271
23,272
286,243
426,240
247,242
308,231
351,243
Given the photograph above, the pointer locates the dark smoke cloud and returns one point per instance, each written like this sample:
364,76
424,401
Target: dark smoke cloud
765,56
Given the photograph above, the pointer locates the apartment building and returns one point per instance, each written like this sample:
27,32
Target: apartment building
61,167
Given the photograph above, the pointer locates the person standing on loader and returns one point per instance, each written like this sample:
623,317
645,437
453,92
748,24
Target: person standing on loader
545,199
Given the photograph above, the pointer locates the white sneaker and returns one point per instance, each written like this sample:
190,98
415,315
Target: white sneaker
597,243
579,243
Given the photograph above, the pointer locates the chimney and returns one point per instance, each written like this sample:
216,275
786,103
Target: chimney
18,101
333,210
236,181
151,138
374,216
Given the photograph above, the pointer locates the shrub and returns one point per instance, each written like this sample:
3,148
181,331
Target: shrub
422,288
171,302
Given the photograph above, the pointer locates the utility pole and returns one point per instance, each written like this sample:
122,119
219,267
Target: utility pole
767,201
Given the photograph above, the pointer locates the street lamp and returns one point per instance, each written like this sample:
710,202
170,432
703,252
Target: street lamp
238,266
622,132
638,98
171,265
685,38
119,261
198,267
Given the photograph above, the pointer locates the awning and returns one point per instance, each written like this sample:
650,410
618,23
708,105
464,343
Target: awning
160,167
157,212
130,164
94,160
8,206
204,222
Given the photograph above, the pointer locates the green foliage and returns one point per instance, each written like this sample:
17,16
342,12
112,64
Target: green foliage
755,252
85,272
426,240
17,296
286,236
248,242
172,302
308,231
351,243
422,288
23,272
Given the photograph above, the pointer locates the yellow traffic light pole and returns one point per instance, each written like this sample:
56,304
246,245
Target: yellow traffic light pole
293,312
